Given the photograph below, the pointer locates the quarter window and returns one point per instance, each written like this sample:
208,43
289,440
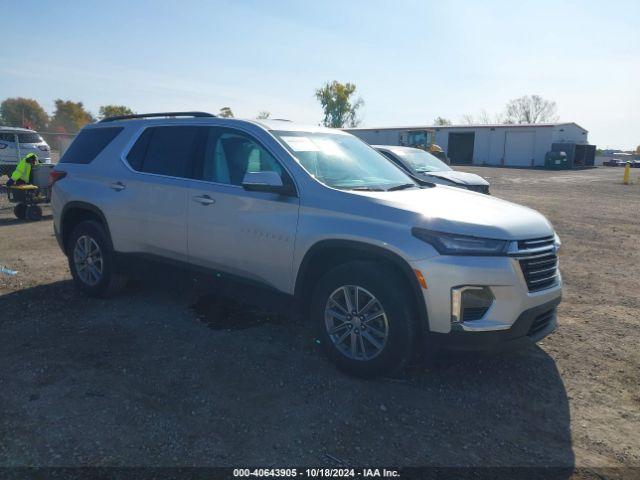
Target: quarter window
88,144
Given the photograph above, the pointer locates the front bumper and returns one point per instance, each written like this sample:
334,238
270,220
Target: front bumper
530,327
510,317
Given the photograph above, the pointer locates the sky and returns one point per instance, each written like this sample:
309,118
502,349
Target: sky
411,60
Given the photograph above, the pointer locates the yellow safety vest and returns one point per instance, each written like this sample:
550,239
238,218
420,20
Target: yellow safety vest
22,171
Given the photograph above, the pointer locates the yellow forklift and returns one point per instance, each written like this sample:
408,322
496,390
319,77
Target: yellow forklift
423,139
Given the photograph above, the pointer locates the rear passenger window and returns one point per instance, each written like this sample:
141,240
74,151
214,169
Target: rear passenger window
88,144
165,151
7,137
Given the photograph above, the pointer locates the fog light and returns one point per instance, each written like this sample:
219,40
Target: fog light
470,303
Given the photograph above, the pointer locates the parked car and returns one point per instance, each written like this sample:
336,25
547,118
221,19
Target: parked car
15,143
380,267
614,162
425,168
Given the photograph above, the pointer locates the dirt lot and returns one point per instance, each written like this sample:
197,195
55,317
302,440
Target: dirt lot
146,379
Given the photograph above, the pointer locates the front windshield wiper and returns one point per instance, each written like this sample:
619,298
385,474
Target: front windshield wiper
402,187
365,189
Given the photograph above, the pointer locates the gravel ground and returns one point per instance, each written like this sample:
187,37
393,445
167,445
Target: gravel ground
163,376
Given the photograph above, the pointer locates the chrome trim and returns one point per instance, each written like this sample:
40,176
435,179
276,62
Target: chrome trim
456,303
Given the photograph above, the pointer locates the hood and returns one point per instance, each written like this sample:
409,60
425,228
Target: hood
461,178
454,210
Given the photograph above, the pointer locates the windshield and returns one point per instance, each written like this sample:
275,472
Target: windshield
29,138
420,161
343,161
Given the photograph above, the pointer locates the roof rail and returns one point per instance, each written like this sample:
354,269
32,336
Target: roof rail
155,115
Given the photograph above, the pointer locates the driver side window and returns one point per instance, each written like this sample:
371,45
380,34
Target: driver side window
229,155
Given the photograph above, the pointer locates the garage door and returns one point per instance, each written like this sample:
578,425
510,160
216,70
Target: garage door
518,149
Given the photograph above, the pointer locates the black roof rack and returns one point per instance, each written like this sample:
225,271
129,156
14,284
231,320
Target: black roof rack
154,115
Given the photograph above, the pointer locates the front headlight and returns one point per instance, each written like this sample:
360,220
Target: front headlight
556,241
453,244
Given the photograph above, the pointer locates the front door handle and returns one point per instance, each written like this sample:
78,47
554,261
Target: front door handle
204,200
117,186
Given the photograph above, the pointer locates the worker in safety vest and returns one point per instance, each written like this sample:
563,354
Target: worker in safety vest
22,173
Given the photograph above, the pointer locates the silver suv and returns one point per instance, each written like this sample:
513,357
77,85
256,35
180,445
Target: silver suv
381,267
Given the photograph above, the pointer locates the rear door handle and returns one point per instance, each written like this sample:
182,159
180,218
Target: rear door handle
117,186
204,200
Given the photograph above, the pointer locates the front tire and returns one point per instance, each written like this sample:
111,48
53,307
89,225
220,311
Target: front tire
364,318
20,211
91,260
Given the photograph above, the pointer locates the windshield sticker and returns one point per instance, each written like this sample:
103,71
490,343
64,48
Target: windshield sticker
301,144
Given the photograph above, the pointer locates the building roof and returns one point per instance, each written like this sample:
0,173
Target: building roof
489,125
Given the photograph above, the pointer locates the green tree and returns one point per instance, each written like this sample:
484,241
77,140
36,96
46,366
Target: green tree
69,117
114,111
441,122
339,108
225,112
263,115
23,112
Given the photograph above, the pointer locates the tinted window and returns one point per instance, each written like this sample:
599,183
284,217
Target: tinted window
29,138
88,144
165,151
7,137
229,154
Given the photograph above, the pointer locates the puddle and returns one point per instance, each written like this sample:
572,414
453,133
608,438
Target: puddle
225,313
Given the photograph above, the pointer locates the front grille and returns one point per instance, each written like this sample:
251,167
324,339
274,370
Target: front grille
541,321
539,263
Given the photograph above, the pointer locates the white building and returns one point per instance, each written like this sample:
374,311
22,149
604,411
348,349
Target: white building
521,145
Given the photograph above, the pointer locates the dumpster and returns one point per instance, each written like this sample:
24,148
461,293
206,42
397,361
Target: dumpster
555,160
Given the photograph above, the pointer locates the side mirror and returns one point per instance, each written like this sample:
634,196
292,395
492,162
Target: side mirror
264,182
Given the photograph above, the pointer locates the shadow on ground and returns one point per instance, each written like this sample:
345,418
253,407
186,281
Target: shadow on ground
140,379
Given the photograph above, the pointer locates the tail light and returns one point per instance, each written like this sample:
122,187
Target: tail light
44,148
56,175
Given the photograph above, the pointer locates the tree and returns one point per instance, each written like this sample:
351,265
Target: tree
468,119
69,117
638,150
441,122
530,109
263,115
114,111
23,112
339,111
226,112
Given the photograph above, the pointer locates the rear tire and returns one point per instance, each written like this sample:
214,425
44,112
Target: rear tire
91,261
34,213
20,211
381,319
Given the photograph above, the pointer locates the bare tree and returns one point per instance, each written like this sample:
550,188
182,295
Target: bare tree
468,119
441,122
530,109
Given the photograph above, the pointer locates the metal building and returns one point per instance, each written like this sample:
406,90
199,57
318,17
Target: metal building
520,145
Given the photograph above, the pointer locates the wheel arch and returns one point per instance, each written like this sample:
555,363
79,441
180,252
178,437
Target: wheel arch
327,254
76,212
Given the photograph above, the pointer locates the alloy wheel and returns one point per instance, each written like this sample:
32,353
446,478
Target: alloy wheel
356,322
